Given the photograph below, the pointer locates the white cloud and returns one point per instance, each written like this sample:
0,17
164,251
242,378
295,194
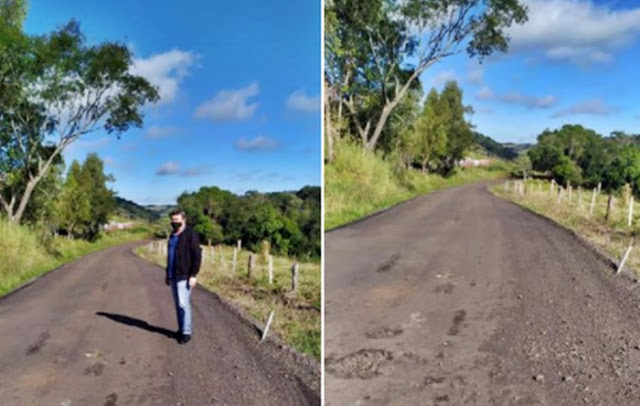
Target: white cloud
581,32
444,77
300,101
161,132
88,145
595,107
257,144
197,170
168,168
483,110
173,168
166,71
475,75
229,105
530,102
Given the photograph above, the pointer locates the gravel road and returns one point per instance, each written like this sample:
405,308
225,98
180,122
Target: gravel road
462,298
99,331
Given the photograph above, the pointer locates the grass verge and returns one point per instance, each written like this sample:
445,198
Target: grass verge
573,211
296,317
359,182
24,254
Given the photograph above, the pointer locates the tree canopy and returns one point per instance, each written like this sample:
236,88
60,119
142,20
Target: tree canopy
54,89
289,221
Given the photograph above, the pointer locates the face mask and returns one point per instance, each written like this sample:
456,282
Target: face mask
175,226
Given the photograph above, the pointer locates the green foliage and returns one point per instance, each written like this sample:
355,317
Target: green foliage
85,202
581,156
289,222
132,210
13,13
27,252
368,44
56,87
360,182
494,148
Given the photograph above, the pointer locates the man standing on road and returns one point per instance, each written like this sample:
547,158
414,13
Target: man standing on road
183,264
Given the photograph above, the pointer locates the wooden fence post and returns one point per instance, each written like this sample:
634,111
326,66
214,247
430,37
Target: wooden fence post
609,204
270,270
559,194
235,259
239,245
250,265
294,277
599,187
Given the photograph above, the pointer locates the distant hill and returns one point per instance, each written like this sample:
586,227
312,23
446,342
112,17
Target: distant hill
491,147
159,210
132,210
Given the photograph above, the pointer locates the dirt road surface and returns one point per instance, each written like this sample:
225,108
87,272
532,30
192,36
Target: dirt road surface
99,331
461,298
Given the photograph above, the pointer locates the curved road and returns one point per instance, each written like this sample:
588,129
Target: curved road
99,331
462,298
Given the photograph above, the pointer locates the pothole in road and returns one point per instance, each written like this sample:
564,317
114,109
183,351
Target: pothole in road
111,400
384,332
389,264
40,342
458,319
446,288
362,364
95,369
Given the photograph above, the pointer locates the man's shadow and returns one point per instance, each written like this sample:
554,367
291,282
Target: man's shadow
130,321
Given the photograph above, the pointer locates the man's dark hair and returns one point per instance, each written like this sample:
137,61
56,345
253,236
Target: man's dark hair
177,212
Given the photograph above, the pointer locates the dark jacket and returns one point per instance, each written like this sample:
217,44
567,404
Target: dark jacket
188,255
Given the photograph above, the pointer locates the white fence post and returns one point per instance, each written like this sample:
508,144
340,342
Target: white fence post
235,259
270,270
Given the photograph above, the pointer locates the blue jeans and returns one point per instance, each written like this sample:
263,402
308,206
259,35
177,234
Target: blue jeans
182,300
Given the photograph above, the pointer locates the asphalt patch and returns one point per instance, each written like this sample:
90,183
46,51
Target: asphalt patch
458,319
389,264
362,364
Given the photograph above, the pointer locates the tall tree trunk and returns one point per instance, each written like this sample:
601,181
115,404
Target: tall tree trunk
328,130
33,182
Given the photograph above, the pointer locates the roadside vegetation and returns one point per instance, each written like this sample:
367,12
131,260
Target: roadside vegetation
360,182
611,232
582,164
387,138
297,317
27,252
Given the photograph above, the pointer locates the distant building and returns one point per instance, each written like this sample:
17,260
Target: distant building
468,162
114,225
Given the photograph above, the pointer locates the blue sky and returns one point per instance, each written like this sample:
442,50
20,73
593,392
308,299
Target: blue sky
574,61
240,87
